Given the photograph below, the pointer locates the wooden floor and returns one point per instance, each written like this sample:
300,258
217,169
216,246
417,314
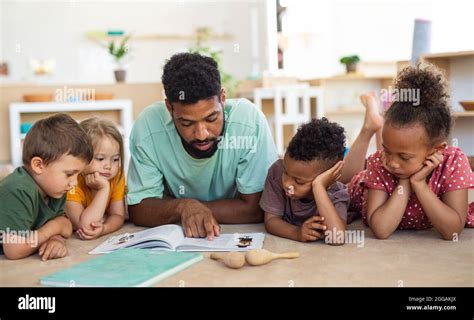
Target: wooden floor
408,258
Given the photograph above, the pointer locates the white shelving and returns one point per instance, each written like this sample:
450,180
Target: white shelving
17,109
459,70
297,102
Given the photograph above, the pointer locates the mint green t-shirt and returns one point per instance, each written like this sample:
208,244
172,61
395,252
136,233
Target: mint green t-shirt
22,207
159,161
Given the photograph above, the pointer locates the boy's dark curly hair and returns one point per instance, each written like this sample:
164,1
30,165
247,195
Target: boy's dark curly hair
433,112
190,77
318,139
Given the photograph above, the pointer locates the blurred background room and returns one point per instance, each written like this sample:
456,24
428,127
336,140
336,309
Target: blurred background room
295,59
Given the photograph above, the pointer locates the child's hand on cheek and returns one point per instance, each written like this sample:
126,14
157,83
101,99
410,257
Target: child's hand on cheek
429,165
96,230
329,177
96,181
384,161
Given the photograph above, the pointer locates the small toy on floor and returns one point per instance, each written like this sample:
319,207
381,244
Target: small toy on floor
234,260
255,257
258,257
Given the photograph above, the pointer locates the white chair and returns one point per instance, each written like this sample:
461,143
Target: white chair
291,107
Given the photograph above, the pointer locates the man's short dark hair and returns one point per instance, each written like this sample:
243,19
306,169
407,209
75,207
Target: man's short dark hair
318,139
190,77
54,137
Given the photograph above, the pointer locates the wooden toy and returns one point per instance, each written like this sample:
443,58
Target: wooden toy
259,257
234,260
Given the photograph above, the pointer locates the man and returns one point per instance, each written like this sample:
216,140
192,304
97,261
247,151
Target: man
198,157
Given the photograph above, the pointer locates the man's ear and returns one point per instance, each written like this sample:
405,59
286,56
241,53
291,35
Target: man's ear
37,165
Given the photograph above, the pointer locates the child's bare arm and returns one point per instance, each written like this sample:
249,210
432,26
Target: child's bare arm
114,220
274,224
448,214
53,248
115,216
74,211
326,208
332,220
16,247
96,210
385,213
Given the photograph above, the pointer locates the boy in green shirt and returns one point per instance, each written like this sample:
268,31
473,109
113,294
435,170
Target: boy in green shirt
33,197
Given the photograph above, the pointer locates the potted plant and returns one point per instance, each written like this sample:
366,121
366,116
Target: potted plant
119,51
350,62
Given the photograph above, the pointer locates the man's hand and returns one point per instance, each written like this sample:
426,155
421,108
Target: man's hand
329,177
198,221
307,231
96,181
429,165
96,230
54,248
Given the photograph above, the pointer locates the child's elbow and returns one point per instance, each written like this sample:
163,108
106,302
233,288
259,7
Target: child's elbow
452,236
268,227
446,237
381,235
84,223
452,232
14,252
255,215
67,229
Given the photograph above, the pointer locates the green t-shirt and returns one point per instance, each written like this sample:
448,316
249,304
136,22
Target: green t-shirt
22,208
159,161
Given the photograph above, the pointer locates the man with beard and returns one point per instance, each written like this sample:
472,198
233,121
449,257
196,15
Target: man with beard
180,170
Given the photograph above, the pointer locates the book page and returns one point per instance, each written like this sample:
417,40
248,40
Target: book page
166,237
224,242
170,233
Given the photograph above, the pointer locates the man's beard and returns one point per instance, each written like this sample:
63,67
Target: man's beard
200,154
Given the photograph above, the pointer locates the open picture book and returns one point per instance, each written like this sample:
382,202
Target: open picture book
172,238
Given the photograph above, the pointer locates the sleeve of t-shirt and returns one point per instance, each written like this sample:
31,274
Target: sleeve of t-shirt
459,174
255,161
339,195
119,190
374,177
77,195
273,197
17,211
145,179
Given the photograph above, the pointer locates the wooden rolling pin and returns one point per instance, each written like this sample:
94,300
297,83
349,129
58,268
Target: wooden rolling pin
234,260
258,257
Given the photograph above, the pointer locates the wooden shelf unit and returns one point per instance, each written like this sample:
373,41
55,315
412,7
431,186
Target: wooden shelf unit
17,109
458,67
